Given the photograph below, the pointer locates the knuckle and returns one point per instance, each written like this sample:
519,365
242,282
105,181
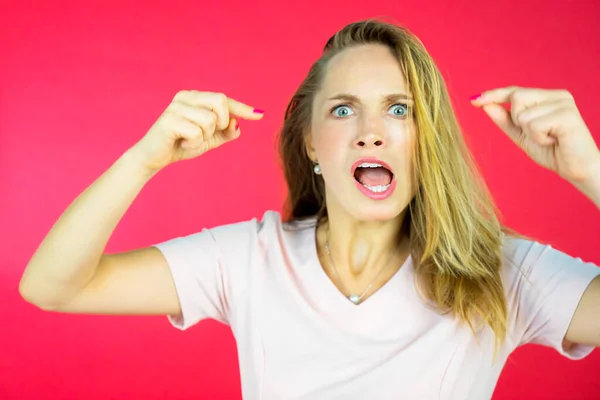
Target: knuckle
516,96
180,95
174,106
567,94
196,132
168,117
221,98
174,114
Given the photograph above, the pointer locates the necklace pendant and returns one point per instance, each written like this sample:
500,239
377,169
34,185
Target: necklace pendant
354,298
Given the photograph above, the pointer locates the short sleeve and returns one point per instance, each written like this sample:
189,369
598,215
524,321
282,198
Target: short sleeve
196,269
544,289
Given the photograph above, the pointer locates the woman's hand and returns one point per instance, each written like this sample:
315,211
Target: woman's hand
547,125
194,123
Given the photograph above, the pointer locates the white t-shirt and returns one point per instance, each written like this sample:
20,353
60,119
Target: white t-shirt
299,337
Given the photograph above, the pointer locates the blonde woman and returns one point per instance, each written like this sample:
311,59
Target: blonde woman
388,276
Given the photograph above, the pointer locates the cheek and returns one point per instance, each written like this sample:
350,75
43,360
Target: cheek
331,144
404,145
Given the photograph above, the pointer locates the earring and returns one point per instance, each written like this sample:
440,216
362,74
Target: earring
317,169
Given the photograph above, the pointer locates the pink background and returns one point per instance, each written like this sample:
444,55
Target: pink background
83,81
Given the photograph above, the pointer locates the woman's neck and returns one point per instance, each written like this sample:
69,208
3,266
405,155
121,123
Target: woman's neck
361,248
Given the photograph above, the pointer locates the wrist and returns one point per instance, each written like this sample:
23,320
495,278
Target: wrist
590,186
131,160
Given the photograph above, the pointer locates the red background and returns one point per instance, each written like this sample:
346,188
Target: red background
83,81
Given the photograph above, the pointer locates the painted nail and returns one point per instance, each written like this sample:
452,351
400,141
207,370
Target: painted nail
237,125
256,110
473,98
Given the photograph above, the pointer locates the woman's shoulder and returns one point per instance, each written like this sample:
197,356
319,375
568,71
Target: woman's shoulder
271,225
269,237
521,254
517,250
532,261
543,288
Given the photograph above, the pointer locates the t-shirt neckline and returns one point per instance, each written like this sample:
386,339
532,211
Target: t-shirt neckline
328,292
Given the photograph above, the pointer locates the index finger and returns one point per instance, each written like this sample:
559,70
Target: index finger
511,94
243,110
499,95
220,104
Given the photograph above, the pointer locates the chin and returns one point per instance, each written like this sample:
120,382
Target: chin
361,207
375,212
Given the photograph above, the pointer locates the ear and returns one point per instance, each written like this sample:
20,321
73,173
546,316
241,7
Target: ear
310,149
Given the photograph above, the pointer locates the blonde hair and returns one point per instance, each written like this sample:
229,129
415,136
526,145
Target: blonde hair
454,226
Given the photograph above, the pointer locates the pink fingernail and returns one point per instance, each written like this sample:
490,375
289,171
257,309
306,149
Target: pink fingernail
473,98
237,125
256,110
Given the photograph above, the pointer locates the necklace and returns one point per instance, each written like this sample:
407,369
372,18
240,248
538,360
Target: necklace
353,297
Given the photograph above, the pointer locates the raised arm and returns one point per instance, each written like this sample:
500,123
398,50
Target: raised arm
70,272
547,126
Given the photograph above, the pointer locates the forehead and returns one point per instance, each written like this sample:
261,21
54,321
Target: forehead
364,69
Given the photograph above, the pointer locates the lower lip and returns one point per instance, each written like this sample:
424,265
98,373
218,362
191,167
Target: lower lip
376,195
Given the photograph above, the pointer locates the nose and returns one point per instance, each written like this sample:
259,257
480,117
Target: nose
371,139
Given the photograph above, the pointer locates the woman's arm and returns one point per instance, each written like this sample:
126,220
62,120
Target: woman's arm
69,271
585,326
547,126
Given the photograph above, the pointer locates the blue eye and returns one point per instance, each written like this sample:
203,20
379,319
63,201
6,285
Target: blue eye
343,110
341,107
403,112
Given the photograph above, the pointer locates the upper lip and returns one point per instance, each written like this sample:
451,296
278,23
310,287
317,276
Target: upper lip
371,160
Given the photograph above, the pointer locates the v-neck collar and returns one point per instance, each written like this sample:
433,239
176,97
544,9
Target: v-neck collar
334,304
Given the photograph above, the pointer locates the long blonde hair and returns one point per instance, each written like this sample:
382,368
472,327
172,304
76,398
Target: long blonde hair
454,226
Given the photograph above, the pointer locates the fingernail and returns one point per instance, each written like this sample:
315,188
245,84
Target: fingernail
473,98
257,111
237,125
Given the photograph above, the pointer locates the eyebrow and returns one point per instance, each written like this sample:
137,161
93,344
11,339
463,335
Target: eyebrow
356,99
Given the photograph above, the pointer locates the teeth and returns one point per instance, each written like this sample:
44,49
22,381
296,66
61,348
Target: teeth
377,189
369,165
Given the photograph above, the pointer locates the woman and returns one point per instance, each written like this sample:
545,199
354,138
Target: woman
390,275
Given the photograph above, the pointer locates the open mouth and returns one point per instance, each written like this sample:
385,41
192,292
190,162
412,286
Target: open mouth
376,176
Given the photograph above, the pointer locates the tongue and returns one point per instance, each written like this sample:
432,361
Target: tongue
373,176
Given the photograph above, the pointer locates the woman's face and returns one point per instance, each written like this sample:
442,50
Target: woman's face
361,135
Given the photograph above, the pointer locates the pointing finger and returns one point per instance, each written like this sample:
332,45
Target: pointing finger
498,96
525,97
243,110
220,104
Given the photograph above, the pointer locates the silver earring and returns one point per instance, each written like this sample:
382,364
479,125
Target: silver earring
317,169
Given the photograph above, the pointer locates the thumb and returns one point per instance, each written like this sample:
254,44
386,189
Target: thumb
228,134
501,117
